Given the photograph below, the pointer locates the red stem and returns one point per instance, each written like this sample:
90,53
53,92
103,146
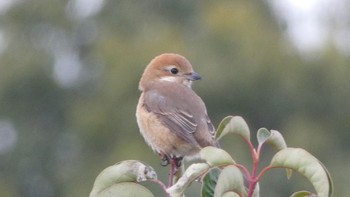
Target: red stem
259,149
253,179
265,170
252,150
172,172
161,184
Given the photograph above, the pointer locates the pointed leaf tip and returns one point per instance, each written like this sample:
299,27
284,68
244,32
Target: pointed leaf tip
256,190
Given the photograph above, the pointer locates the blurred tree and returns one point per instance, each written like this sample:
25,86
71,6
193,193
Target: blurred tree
69,73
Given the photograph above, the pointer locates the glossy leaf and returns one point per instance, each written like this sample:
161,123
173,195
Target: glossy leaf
272,137
257,190
303,162
230,180
125,189
276,140
234,125
209,182
216,156
191,174
262,135
329,178
125,171
303,194
230,194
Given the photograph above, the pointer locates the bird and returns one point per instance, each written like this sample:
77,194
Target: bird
171,117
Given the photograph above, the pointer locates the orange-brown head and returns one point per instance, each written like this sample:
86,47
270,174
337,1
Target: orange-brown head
168,67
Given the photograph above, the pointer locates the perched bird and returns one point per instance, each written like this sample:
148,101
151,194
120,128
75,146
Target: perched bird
171,117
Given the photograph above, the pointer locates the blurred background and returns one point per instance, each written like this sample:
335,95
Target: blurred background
69,74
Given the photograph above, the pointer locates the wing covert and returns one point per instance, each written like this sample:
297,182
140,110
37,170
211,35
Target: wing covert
173,115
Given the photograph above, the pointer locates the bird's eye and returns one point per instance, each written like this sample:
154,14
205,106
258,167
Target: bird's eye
174,71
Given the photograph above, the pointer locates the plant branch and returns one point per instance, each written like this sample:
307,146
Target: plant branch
252,149
267,169
161,184
254,179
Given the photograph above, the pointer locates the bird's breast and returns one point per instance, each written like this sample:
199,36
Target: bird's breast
160,138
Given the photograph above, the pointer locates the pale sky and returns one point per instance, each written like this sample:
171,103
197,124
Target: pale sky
310,24
313,23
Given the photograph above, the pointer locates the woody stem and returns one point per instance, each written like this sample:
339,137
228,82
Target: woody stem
172,172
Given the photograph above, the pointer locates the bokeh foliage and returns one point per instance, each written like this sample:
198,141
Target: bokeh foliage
70,128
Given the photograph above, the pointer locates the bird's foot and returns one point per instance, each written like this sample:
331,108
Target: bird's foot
176,164
177,161
165,159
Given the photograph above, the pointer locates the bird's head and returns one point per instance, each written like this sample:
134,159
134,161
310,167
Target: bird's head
169,67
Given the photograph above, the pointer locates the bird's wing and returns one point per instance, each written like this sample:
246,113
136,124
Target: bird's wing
211,127
172,114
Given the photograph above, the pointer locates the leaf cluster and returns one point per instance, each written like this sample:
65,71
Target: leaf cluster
220,174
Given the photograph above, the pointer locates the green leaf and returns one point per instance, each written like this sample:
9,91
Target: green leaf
125,189
230,180
256,192
234,125
125,171
230,194
209,182
303,162
224,122
329,178
191,174
272,137
262,135
216,156
276,140
303,194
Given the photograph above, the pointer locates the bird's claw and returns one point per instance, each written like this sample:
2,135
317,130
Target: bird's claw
165,160
177,161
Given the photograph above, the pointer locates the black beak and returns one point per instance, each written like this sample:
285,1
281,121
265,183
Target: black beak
193,76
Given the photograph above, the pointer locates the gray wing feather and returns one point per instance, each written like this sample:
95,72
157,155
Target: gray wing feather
175,117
